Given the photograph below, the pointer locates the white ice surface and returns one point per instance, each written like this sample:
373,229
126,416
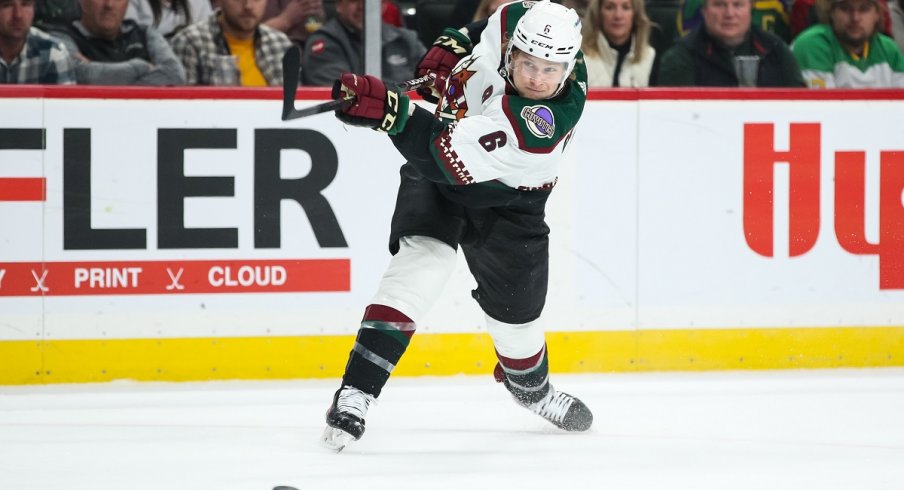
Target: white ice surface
825,430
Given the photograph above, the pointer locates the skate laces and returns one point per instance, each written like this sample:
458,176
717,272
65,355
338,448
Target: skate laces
354,401
553,406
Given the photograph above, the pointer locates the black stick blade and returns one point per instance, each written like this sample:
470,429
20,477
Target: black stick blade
291,64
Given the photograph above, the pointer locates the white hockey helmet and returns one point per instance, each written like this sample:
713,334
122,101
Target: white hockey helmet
550,32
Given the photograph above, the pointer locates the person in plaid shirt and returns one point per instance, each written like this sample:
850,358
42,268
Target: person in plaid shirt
27,54
232,47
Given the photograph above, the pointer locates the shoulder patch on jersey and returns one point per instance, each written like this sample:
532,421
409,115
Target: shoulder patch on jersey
541,125
454,105
318,46
540,120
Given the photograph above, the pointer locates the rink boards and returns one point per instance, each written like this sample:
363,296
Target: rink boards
185,234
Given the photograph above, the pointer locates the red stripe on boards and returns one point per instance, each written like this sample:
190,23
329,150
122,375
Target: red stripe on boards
174,277
23,189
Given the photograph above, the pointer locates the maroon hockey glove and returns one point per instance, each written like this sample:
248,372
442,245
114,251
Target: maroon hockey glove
440,59
373,105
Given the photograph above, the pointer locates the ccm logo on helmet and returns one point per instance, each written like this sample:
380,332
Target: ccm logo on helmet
541,44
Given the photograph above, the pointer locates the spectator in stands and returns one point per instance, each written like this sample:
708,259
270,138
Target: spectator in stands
55,12
301,18
806,13
706,56
771,16
391,13
232,47
461,14
27,54
114,51
466,11
616,45
897,22
337,48
579,6
486,8
298,19
168,16
849,51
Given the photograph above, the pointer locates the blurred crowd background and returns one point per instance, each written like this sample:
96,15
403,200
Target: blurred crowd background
627,43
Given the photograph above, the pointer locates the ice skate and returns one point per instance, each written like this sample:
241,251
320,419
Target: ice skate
562,410
345,418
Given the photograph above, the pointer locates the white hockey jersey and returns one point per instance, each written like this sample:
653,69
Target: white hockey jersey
495,134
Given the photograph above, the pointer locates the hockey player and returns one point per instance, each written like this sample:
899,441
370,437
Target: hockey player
478,175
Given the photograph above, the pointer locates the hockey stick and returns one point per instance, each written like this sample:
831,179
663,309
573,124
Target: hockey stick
292,63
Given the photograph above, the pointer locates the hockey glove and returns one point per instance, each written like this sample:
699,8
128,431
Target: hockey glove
440,59
373,105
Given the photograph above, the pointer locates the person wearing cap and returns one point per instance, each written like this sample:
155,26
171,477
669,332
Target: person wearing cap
849,51
705,57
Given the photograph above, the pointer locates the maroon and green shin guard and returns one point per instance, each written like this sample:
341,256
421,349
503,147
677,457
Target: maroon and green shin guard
382,339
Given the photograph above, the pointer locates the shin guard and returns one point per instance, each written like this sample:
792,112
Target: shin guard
382,339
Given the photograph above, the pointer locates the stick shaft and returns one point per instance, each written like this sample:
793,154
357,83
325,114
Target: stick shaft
291,65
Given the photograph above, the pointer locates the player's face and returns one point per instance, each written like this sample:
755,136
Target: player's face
727,20
103,18
855,21
617,20
535,78
15,19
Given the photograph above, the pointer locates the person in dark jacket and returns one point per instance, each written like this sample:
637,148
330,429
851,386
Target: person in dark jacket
337,48
708,55
110,50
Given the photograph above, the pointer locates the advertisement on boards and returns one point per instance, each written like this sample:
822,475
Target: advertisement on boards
214,218
769,213
200,217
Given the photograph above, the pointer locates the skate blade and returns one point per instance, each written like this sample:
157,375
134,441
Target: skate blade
335,439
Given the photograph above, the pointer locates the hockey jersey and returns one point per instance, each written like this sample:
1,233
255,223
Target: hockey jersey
494,135
825,63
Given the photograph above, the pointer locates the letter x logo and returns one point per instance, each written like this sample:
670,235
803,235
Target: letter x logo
39,281
174,278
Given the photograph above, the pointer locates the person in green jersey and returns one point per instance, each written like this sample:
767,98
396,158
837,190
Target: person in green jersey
849,51
479,171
